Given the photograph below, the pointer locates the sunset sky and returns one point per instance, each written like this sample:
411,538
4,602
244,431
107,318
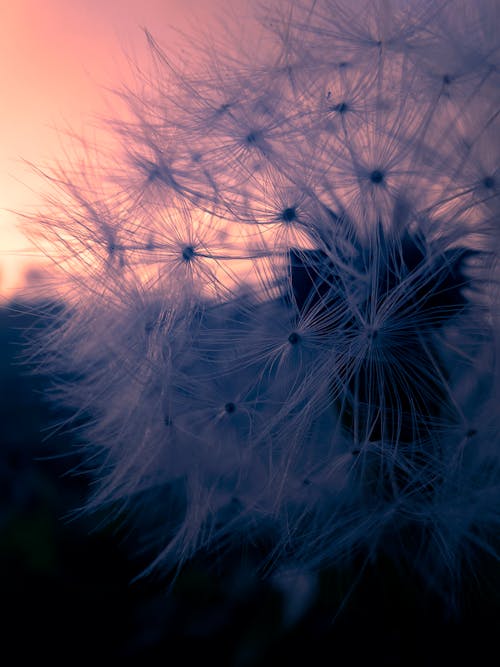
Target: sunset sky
57,57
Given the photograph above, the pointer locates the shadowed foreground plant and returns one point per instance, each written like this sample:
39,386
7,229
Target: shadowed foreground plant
280,299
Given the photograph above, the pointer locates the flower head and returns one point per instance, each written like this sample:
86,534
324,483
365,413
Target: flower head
282,312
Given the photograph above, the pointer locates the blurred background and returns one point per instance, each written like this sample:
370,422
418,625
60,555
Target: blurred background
67,583
58,61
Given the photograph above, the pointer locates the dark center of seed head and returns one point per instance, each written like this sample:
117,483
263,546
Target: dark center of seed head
230,408
251,138
489,182
289,214
376,176
154,173
293,338
188,253
341,107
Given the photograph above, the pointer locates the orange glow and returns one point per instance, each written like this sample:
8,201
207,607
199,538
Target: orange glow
57,58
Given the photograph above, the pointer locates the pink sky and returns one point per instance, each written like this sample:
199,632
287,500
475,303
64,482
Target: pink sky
56,57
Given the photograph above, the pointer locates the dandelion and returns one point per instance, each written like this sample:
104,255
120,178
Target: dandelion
281,303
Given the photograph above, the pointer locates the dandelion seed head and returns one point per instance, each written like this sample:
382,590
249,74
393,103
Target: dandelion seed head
282,316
